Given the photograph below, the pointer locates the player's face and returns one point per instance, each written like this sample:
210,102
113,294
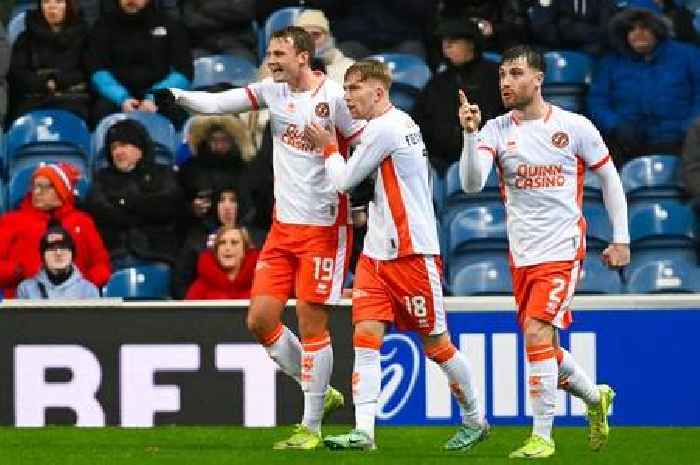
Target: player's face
519,83
360,96
230,249
283,60
641,39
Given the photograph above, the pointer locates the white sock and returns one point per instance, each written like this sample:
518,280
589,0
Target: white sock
316,366
574,380
366,385
459,374
286,352
542,390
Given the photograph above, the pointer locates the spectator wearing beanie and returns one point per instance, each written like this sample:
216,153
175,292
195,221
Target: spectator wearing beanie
316,24
58,278
437,104
135,202
50,199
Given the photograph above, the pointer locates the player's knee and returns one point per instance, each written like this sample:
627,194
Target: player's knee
537,333
259,324
440,352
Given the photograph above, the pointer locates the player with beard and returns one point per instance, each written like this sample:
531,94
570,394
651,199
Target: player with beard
541,153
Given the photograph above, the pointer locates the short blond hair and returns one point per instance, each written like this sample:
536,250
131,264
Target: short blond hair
371,69
245,236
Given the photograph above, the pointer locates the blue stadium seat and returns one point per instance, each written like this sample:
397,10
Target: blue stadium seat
278,20
438,184
47,135
598,228
568,68
19,184
661,223
403,97
151,282
663,271
16,26
652,176
477,227
492,56
591,186
3,203
216,69
406,69
159,128
453,188
489,275
597,278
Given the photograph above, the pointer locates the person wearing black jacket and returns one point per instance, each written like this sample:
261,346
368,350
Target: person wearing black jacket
134,51
134,201
437,104
47,68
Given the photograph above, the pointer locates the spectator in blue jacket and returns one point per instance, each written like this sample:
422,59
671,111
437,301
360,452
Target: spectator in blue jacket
646,92
59,278
134,51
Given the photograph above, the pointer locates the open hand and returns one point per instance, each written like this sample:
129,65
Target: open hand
469,115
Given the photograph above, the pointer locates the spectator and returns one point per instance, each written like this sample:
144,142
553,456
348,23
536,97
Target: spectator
58,278
135,202
133,51
48,60
226,212
4,67
366,27
572,24
221,26
221,147
437,104
503,23
690,165
647,91
316,24
51,198
226,272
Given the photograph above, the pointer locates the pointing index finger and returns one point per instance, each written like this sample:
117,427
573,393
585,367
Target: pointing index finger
463,98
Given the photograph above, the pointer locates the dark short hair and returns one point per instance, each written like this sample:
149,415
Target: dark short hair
371,69
300,38
533,58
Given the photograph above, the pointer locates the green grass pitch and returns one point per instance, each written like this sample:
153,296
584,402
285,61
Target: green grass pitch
397,445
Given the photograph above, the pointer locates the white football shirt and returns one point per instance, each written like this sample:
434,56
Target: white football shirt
541,165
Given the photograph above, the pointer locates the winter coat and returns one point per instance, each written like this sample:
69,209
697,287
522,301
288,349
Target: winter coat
75,287
690,165
212,282
5,51
136,211
437,105
573,24
219,25
38,55
141,52
659,94
21,232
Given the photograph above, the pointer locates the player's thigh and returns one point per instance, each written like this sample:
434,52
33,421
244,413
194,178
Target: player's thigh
414,283
550,290
274,273
371,301
323,261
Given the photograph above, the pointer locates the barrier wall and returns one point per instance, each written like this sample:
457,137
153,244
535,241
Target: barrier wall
110,362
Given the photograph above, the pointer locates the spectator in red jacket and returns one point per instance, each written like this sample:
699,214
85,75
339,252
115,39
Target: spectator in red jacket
226,271
51,198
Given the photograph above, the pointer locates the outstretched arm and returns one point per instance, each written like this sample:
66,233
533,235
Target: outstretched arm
230,101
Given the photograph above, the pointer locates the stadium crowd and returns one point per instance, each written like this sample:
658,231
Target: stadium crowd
205,212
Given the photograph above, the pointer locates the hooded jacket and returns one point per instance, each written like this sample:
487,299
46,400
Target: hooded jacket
21,232
132,54
659,94
212,283
75,287
136,211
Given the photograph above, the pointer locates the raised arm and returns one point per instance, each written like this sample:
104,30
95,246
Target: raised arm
230,101
474,166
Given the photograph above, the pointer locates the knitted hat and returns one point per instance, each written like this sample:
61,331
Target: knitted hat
314,18
56,236
63,178
128,131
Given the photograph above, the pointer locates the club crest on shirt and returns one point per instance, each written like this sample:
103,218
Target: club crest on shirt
560,139
323,110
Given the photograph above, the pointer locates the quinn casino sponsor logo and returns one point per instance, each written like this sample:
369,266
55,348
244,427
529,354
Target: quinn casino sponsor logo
538,176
